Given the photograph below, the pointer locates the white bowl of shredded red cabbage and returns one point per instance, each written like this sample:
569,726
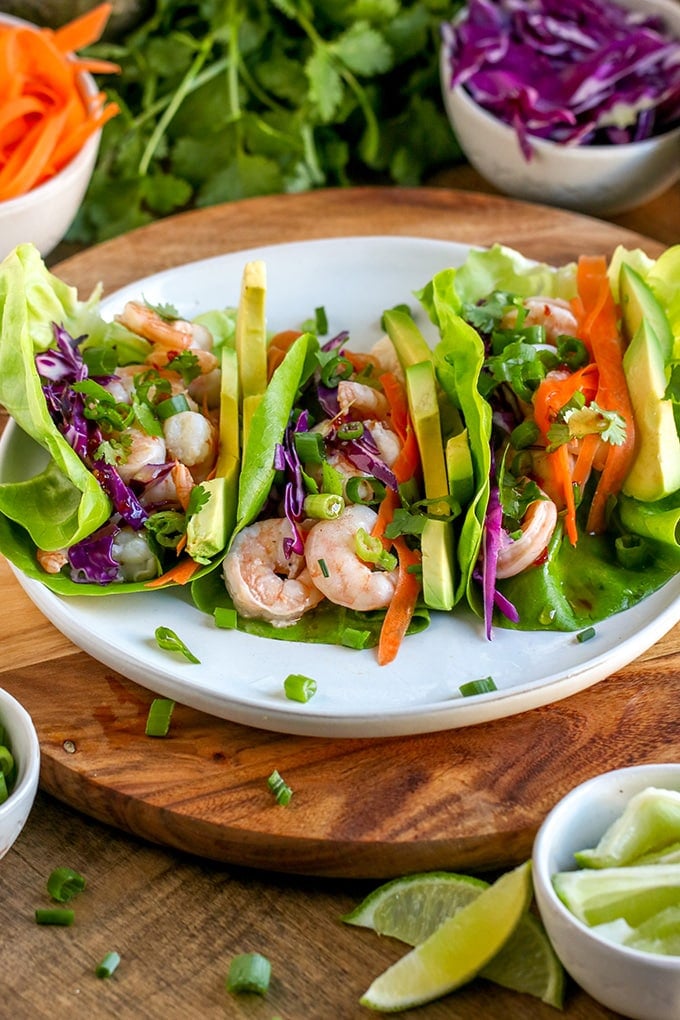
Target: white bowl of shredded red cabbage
573,104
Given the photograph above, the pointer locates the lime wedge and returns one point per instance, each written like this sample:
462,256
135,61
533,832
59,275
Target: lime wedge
649,824
658,934
667,855
634,893
458,949
412,908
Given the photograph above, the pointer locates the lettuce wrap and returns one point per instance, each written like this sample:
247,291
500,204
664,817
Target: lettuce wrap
57,355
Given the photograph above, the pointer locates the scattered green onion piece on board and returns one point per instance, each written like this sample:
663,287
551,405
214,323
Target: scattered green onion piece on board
323,506
170,642
481,686
309,447
279,788
298,687
106,968
158,719
249,972
226,618
172,405
63,916
65,883
586,635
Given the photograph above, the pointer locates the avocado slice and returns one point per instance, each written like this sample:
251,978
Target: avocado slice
655,471
409,342
251,340
436,544
207,530
460,468
639,304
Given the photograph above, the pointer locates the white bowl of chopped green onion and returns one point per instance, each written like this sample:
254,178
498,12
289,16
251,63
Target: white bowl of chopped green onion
19,768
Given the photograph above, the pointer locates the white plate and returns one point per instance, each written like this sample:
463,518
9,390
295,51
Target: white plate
241,677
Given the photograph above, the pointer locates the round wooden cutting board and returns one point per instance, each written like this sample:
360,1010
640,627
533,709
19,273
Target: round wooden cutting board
466,799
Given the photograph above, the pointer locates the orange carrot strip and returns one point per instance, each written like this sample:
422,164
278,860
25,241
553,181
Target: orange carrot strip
279,346
602,329
584,459
24,167
400,610
84,30
181,573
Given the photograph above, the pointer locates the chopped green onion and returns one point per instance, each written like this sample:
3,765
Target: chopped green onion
106,968
158,719
6,760
65,883
299,687
279,788
335,370
351,637
309,447
172,405
586,634
321,320
323,568
371,550
350,430
481,686
170,642
226,618
632,551
55,915
249,972
365,490
572,351
331,479
323,506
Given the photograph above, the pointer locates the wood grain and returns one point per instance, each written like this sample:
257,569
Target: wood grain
465,799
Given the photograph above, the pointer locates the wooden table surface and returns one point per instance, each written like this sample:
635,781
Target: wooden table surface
177,919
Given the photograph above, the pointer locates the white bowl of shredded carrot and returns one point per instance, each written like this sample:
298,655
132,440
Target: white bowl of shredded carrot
51,117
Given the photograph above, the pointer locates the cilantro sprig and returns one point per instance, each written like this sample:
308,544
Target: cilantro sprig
223,101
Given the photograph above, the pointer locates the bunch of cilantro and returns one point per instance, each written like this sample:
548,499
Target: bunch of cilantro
226,99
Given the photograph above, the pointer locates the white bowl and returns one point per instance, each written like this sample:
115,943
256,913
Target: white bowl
636,984
25,748
595,179
44,214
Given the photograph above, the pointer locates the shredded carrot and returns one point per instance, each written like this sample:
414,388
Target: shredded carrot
46,112
278,347
400,610
180,573
600,328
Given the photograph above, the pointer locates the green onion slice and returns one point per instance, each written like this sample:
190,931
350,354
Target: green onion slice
309,447
365,490
249,972
335,370
158,719
279,788
298,687
350,430
226,618
106,968
351,637
371,550
586,634
172,405
65,883
323,506
170,642
63,916
481,686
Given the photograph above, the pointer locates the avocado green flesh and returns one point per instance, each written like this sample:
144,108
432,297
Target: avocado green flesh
251,339
639,304
208,529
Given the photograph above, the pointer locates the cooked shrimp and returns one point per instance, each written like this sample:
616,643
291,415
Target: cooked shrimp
122,384
262,582
206,388
337,571
161,357
143,450
537,529
174,334
190,438
361,400
51,560
553,313
385,354
387,441
135,560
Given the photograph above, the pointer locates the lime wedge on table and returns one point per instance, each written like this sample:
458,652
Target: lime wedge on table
649,824
596,896
458,949
412,908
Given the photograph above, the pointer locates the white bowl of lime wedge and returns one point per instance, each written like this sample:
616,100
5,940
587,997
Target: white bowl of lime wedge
606,871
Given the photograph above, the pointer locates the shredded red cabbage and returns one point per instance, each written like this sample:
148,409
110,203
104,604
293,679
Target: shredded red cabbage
365,456
91,560
582,72
286,459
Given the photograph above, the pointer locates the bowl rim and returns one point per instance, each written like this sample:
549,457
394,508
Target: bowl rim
73,167
544,842
29,766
